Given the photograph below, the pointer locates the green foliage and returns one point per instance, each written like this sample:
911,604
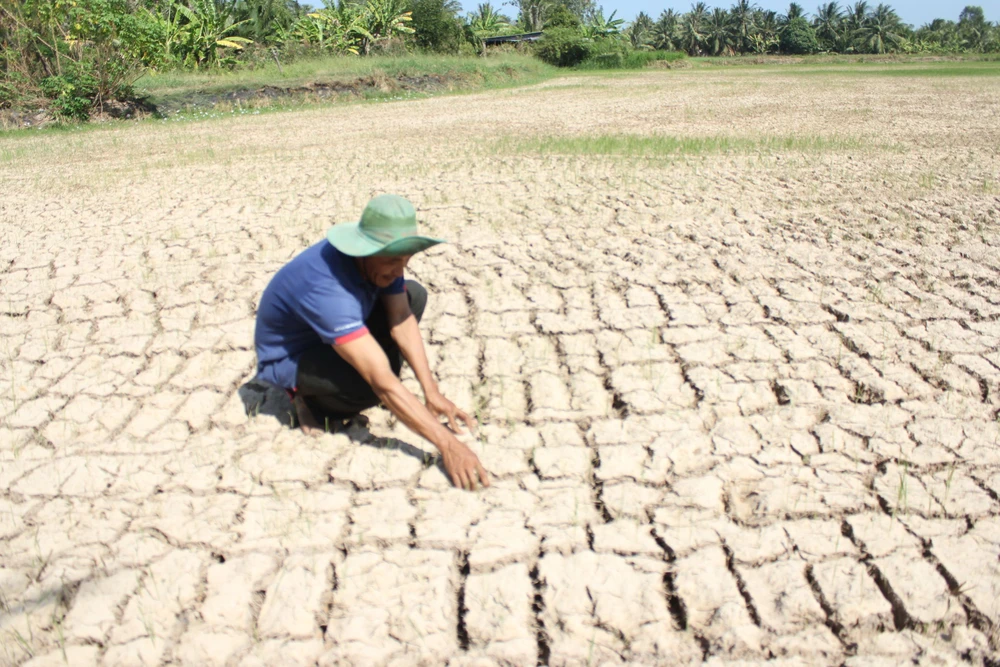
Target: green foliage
334,30
798,37
81,54
261,20
563,47
720,34
72,93
385,19
200,32
627,59
666,146
436,26
640,32
598,27
561,17
486,21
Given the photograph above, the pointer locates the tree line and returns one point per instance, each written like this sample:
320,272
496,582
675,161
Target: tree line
78,55
855,28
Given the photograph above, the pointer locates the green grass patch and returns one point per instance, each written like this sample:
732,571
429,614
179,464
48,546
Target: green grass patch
630,60
662,146
861,65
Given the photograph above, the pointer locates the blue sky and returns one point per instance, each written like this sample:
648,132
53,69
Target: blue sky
914,12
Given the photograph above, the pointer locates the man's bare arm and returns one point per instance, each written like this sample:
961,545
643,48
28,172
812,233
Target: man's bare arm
367,357
406,333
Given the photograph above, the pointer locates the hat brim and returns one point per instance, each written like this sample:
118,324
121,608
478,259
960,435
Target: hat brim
348,239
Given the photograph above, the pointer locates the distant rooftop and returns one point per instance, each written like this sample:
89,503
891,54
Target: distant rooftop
525,37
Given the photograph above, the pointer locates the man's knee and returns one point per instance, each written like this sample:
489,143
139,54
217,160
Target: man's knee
417,296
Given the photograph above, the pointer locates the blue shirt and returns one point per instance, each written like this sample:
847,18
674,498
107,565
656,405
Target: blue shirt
318,298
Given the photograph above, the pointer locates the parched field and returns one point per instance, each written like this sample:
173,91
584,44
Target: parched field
732,336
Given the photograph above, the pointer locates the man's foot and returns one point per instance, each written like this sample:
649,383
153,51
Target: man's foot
307,421
311,425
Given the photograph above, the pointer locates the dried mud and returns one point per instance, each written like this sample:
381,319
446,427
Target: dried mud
738,406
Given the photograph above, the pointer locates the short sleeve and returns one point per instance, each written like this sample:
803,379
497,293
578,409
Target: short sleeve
398,286
333,314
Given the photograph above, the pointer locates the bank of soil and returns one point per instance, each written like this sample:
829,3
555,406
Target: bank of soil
164,106
362,87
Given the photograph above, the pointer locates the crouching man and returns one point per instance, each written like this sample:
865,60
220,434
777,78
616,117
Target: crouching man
335,324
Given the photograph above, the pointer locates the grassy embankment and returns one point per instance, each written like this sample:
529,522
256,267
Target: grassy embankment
345,78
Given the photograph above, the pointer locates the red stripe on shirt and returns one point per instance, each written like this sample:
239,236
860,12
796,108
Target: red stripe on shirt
351,336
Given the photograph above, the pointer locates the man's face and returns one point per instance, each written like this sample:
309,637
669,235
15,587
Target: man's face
382,271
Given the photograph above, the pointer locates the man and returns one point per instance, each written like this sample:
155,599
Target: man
335,324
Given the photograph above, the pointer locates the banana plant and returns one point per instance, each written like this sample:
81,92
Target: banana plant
197,31
603,28
385,19
336,29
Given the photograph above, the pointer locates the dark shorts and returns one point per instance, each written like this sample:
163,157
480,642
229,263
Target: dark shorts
330,386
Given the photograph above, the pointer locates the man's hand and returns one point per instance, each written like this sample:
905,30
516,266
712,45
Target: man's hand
368,358
463,467
439,405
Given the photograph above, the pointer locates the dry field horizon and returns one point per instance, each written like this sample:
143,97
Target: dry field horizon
732,337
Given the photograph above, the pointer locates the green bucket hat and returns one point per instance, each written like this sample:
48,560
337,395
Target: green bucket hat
388,227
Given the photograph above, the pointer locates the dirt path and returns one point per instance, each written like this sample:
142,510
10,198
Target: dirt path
739,404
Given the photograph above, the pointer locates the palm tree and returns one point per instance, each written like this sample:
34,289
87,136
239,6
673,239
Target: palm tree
827,25
765,37
940,35
973,28
486,21
881,32
692,29
795,11
742,18
640,32
720,36
665,31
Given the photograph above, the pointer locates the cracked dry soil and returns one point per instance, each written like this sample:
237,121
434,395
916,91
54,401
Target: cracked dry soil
738,405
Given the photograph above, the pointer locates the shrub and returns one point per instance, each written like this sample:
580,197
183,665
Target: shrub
563,47
798,38
561,17
78,54
436,26
628,59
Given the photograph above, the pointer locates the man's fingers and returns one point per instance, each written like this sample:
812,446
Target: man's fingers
452,423
482,475
461,481
469,421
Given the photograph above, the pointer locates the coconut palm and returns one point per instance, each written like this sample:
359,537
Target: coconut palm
882,30
666,31
486,21
765,38
795,11
640,32
854,20
693,27
828,25
742,21
973,28
720,36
